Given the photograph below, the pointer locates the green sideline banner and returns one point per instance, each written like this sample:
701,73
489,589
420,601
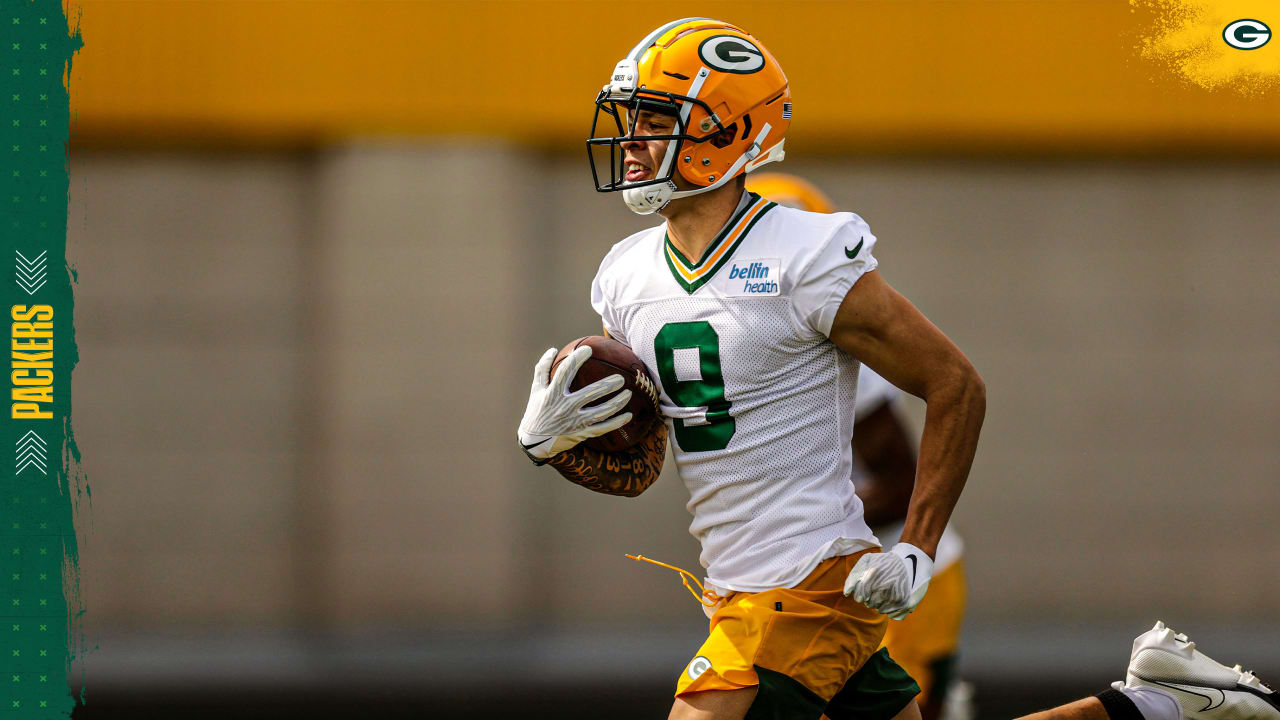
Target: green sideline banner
40,481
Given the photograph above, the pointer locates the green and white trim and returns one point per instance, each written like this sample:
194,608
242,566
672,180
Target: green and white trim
692,276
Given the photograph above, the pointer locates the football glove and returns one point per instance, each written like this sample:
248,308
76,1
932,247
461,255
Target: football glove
557,419
891,582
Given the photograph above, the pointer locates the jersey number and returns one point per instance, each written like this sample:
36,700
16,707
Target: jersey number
705,392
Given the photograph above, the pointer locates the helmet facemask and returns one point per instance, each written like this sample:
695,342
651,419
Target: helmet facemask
619,112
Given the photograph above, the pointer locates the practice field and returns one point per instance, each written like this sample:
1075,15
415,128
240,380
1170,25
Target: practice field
1015,669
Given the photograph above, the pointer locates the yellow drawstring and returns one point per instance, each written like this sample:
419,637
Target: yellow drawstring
685,577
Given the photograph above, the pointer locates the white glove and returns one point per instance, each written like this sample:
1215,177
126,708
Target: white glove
556,419
891,582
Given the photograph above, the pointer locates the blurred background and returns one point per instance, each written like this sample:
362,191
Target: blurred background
321,244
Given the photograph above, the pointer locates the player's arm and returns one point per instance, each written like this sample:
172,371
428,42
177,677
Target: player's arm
882,443
627,473
556,421
883,329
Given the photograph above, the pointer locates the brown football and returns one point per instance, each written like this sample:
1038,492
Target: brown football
610,357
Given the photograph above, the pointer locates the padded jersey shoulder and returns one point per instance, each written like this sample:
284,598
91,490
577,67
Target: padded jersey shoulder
802,235
625,253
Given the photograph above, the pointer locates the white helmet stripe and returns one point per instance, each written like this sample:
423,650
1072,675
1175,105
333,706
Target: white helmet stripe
644,44
694,89
668,158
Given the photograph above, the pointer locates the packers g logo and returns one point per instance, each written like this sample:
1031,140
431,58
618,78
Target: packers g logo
699,665
1246,34
731,54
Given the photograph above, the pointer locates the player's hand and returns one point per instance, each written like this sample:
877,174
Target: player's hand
557,419
891,582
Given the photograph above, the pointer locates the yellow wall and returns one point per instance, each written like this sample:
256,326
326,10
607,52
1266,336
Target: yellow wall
909,75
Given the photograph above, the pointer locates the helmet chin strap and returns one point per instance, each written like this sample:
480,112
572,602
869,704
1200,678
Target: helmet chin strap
649,199
652,198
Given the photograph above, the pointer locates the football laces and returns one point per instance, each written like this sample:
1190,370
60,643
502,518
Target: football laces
642,379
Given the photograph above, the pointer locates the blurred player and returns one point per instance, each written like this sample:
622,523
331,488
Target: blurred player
790,190
751,316
926,642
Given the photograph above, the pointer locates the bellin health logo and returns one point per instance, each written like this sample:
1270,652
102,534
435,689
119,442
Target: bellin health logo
759,276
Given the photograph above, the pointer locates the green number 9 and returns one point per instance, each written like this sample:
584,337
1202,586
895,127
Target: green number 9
708,391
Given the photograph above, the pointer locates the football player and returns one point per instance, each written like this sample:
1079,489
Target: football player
926,642
754,318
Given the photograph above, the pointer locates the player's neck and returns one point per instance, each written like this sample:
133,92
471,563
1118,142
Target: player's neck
693,222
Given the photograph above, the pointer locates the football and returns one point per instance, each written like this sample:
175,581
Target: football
610,357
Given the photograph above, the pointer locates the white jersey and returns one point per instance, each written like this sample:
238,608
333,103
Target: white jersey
759,402
874,392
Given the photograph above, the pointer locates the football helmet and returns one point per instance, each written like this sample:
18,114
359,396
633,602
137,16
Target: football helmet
728,96
791,191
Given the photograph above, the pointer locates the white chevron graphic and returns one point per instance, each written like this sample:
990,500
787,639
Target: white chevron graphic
30,273
32,452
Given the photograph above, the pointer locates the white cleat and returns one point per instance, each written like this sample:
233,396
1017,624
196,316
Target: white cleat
1206,689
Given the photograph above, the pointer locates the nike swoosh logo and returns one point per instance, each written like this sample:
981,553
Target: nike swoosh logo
851,254
530,446
1202,692
912,558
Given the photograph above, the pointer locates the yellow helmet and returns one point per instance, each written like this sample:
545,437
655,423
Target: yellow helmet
729,97
790,190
